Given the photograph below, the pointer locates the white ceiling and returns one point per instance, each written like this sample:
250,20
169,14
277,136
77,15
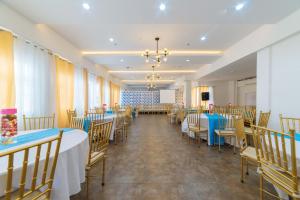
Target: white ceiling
134,24
241,69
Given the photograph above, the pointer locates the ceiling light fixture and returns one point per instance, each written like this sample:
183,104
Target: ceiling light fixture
121,60
156,56
151,79
111,39
239,6
203,38
162,6
187,60
86,6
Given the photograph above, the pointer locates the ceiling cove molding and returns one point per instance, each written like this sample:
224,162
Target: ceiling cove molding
263,37
171,52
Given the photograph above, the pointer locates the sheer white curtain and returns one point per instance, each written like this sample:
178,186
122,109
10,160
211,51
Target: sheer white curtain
78,90
34,79
93,91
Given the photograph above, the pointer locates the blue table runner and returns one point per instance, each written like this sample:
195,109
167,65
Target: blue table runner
30,137
213,125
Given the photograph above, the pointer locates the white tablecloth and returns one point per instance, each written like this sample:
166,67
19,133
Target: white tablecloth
70,169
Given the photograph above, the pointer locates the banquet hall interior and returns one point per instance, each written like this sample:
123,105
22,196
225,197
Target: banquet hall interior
152,99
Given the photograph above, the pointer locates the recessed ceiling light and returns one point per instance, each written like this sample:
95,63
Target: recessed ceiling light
187,60
162,6
203,38
111,39
86,6
239,6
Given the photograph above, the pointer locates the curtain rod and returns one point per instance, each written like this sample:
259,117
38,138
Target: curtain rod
33,43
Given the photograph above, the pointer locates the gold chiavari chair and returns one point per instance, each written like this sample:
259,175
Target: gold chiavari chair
226,128
119,127
45,176
276,163
71,113
33,123
194,126
288,123
262,121
77,122
98,145
171,115
247,153
180,115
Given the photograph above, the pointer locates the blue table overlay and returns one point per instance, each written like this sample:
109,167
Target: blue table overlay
213,125
34,136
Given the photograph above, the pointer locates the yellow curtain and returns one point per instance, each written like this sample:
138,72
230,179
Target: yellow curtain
194,97
197,96
114,94
7,83
85,89
64,90
101,90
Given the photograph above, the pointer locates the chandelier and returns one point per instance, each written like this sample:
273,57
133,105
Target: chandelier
152,79
157,55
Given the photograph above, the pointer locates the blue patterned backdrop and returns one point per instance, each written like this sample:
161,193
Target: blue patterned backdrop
142,96
139,97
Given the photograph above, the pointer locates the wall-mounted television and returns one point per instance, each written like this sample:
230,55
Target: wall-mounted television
205,96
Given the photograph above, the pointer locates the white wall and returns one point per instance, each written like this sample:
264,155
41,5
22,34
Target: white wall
224,91
46,37
278,75
246,92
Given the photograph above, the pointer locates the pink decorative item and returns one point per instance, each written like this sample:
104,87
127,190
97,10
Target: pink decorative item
9,125
104,107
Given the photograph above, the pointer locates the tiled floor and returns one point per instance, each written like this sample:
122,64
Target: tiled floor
157,163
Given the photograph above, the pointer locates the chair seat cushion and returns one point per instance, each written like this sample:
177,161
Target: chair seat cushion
33,195
96,156
249,152
248,130
197,128
225,132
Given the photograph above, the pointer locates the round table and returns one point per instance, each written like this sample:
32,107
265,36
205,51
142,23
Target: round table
70,168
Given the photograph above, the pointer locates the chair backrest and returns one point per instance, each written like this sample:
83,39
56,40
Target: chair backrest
240,133
288,123
99,140
47,150
276,160
33,123
225,121
263,119
193,120
93,116
249,116
71,113
77,122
